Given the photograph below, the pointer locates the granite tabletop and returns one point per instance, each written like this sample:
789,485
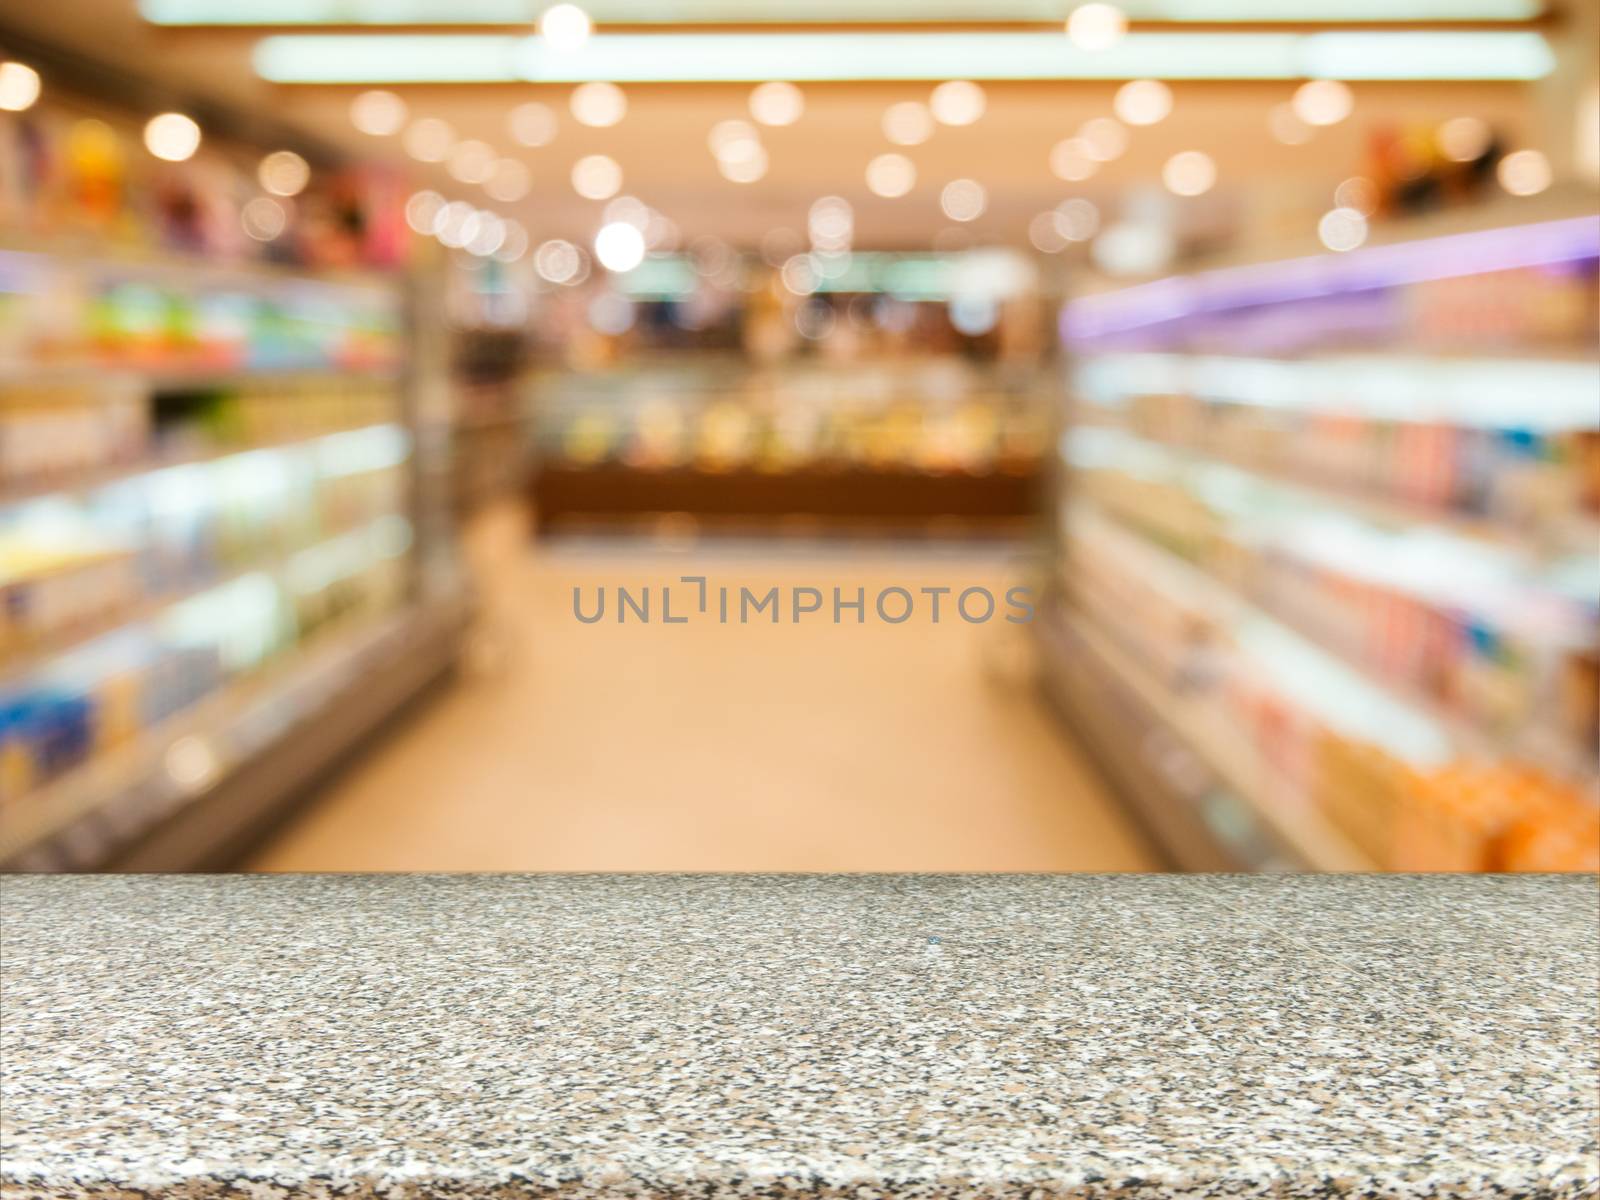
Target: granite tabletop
789,1036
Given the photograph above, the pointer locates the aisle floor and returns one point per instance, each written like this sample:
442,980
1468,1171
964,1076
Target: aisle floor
703,747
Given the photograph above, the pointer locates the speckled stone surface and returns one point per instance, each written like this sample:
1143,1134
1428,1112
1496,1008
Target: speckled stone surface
842,1036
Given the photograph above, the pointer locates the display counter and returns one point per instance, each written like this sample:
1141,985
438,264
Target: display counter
743,1036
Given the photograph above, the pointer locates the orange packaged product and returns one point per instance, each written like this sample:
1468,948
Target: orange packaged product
1452,819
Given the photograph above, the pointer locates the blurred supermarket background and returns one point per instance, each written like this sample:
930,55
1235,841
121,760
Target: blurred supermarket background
341,340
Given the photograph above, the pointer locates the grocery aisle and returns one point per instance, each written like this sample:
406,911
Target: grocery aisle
715,748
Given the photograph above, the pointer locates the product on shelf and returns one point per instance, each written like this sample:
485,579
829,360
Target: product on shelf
1395,784
74,173
89,701
868,420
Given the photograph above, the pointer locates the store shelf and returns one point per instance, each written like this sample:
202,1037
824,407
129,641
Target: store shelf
1578,535
93,253
1208,791
94,480
1507,236
20,666
101,810
1374,707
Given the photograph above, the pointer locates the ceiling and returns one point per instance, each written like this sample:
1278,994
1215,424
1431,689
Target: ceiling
662,148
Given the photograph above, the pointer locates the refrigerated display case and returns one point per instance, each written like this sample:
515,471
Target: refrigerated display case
221,555
904,446
1330,543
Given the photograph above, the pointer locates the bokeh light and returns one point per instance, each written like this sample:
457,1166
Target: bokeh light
532,124
565,28
596,177
957,102
777,103
908,123
891,175
1104,139
19,86
263,218
283,173
1463,139
471,161
1189,173
1143,101
428,139
1342,229
1070,159
172,136
963,200
619,246
378,113
1322,102
509,180
598,104
1096,26
1524,172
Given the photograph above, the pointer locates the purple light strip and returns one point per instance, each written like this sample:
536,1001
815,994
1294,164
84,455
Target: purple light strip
1450,257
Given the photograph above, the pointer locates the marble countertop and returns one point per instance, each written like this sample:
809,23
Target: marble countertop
789,1036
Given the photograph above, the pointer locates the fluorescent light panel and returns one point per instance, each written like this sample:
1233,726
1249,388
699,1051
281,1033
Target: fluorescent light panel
752,57
741,12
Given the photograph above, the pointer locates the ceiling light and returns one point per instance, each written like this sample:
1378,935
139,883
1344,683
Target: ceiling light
557,261
1071,159
777,103
1342,229
380,114
1322,102
746,169
661,232
422,210
19,86
263,219
565,28
963,200
1286,126
732,138
428,139
619,246
831,223
1143,101
1077,219
630,210
171,136
1463,139
1524,172
596,177
487,236
599,104
799,275
1104,139
1358,193
743,57
891,175
509,180
455,223
908,123
515,244
283,173
1132,250
957,102
532,124
1044,235
1189,173
1096,27
471,161
799,12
